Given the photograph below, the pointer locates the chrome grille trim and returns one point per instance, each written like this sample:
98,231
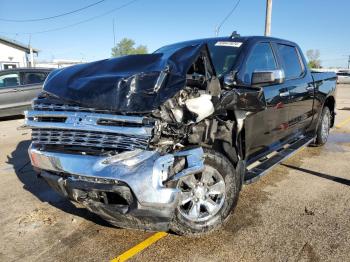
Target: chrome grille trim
86,138
37,105
87,121
89,129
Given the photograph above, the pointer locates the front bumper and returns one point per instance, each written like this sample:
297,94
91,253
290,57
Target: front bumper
137,178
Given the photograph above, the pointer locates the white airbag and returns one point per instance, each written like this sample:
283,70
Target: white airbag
202,106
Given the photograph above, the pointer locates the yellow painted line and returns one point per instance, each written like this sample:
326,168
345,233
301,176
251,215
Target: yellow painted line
301,149
139,247
343,123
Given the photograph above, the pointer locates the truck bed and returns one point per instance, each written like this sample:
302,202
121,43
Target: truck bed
319,76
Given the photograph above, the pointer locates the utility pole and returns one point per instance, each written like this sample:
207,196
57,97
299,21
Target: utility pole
349,62
31,52
268,17
114,43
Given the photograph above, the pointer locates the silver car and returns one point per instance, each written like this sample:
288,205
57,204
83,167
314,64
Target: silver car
18,87
343,77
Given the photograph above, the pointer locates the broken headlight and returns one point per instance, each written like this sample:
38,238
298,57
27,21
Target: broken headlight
129,158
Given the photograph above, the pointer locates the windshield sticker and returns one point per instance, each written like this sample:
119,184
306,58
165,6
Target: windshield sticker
231,44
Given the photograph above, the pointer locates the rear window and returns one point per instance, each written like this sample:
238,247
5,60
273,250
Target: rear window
290,61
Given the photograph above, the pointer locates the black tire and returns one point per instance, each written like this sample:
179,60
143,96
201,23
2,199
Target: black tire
323,128
183,226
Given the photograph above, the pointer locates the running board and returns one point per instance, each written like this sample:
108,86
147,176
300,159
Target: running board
267,163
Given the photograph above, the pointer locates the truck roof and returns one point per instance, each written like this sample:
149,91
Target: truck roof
251,39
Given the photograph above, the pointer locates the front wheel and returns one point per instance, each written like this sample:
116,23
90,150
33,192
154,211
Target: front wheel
206,199
323,128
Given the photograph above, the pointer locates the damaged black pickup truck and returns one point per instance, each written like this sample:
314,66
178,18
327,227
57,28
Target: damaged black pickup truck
165,141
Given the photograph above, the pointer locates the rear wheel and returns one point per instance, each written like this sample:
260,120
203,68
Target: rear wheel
322,132
206,199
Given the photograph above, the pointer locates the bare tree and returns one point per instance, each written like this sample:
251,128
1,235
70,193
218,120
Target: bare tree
314,58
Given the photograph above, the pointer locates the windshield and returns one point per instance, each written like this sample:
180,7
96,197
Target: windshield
223,53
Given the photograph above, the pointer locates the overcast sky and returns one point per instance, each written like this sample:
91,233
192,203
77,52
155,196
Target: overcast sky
313,24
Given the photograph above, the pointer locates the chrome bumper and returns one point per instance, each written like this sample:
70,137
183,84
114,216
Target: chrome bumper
143,171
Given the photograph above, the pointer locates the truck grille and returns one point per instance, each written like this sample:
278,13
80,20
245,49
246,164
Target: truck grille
54,125
64,107
89,139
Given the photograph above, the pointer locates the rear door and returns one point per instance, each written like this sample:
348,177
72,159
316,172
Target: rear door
299,83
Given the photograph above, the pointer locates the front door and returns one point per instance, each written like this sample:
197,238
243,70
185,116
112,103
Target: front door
9,89
268,126
31,86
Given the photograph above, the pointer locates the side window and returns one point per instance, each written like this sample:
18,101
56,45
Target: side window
261,58
290,61
33,78
9,80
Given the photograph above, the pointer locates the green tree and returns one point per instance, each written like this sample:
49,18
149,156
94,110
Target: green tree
126,46
312,64
314,58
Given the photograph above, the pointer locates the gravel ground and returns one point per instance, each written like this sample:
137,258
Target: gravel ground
300,211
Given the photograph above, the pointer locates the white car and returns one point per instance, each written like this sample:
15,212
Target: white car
343,77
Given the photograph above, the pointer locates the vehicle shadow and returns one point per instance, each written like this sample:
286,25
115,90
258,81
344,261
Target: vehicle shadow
340,180
6,118
20,161
344,108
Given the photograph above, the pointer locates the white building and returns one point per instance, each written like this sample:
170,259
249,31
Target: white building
58,63
14,54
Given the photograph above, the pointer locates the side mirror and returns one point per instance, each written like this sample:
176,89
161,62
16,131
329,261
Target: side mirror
268,77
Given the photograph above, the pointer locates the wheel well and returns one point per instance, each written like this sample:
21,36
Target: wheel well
235,151
330,103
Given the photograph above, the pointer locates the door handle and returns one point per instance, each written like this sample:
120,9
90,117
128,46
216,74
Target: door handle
284,94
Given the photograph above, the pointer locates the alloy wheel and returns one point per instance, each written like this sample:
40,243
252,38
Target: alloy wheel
325,126
202,195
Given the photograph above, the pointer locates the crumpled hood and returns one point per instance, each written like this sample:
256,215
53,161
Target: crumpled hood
128,84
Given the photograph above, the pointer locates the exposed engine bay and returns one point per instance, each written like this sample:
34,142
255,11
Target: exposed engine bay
190,117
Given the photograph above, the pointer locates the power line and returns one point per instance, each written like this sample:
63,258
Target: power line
51,17
78,23
217,29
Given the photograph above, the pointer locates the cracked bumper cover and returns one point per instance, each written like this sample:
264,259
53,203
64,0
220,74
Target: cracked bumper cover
137,176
